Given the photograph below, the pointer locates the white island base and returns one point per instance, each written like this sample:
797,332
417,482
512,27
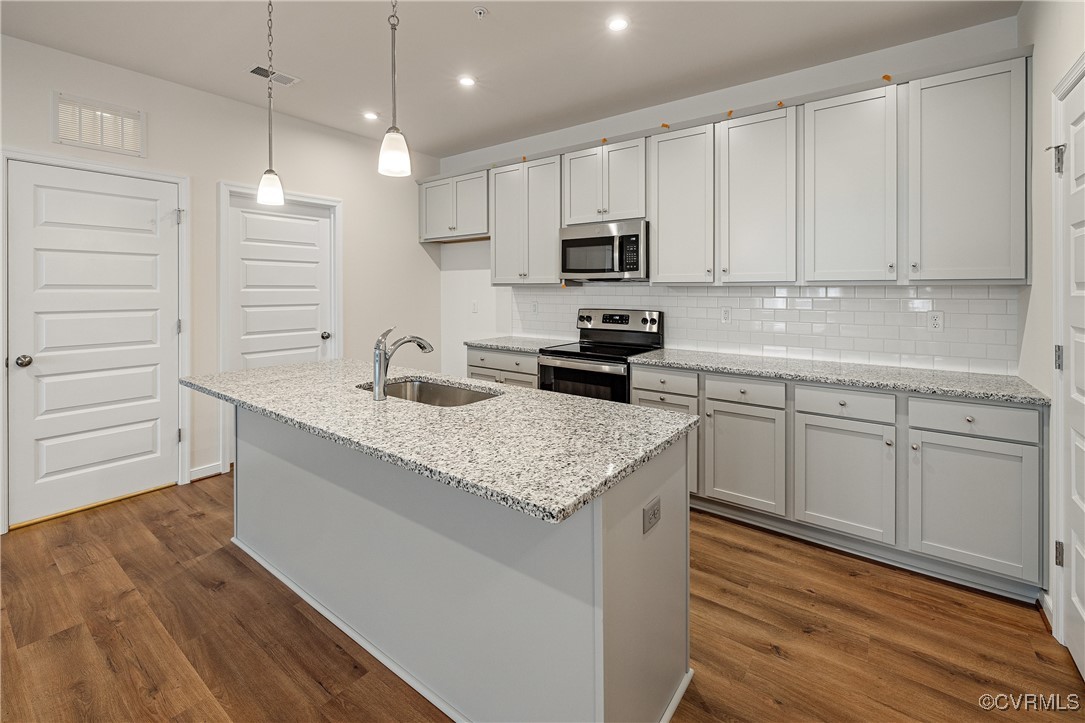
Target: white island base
489,613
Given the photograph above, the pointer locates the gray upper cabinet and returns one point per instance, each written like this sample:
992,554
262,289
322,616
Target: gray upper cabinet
525,219
966,174
755,198
680,200
453,207
850,188
605,183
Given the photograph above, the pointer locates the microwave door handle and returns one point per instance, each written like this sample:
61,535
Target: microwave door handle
617,254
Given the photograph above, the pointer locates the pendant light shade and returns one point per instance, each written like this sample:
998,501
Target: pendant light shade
395,159
270,190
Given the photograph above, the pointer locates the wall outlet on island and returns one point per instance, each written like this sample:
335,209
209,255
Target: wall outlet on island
474,307
650,514
936,320
725,315
534,307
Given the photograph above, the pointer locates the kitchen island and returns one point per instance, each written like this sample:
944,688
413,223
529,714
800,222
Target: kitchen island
497,556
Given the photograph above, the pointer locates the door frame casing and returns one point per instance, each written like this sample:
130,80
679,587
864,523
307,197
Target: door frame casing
184,298
1051,601
334,206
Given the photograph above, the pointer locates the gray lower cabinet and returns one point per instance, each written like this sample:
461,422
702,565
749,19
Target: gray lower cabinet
845,475
975,501
673,403
744,455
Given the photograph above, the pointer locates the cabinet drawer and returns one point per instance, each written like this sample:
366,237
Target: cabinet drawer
846,403
665,380
745,391
508,361
984,420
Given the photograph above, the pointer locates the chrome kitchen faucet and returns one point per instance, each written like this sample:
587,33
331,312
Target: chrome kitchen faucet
382,355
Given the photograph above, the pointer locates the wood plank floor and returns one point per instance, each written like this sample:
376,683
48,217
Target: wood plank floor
143,610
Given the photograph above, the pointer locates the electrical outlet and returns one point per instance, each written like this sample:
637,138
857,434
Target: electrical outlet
725,314
936,320
474,307
650,515
534,307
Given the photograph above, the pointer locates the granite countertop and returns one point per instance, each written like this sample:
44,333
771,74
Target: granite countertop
530,344
543,454
993,387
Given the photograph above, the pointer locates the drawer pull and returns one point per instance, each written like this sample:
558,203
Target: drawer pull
517,363
662,398
482,358
843,403
888,443
915,447
970,419
662,381
741,391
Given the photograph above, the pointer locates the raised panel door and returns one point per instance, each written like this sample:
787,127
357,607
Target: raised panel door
543,224
976,502
744,455
680,209
850,191
755,191
623,189
582,180
844,476
966,174
507,206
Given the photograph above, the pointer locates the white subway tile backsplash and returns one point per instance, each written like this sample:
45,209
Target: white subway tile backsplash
862,324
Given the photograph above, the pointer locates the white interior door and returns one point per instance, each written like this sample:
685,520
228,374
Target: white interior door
279,285
93,311
1072,388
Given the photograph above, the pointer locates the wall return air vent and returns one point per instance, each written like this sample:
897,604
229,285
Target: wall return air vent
96,124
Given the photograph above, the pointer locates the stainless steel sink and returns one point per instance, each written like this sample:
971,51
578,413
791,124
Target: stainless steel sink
434,394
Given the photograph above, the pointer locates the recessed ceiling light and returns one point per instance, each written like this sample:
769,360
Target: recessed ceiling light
618,23
370,115
467,80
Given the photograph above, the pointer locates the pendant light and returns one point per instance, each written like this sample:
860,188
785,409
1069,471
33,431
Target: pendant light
270,190
395,159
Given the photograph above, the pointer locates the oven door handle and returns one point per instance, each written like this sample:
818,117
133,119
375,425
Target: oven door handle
584,366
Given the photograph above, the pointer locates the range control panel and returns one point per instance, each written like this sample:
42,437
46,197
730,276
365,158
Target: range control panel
619,319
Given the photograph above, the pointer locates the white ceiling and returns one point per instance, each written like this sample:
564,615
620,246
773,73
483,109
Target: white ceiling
541,66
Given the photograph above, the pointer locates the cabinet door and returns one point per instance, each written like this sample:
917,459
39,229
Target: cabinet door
507,207
674,403
755,192
844,476
437,209
470,196
744,455
975,501
543,190
486,375
850,213
680,209
623,180
582,179
966,174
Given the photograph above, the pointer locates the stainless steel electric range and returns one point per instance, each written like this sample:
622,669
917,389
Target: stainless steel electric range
598,365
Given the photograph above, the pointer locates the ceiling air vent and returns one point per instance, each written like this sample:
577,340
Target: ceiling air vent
95,124
279,77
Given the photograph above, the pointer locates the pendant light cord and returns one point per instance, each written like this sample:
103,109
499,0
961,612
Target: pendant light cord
270,75
393,21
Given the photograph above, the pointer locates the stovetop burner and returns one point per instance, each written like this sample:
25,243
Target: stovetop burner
613,335
593,350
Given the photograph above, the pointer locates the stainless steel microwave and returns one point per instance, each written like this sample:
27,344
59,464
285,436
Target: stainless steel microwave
616,251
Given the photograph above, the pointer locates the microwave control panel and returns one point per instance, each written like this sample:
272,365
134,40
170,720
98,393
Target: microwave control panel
629,252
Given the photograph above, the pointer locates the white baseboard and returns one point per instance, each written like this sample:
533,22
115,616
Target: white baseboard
207,470
372,649
681,691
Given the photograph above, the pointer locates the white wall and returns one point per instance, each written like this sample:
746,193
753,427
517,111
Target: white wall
1057,29
465,267
388,277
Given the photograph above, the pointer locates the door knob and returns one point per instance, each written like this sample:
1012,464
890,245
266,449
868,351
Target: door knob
24,360
325,335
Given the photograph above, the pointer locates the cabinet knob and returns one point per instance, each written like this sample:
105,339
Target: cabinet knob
449,228
741,391
482,358
892,266
662,381
915,447
606,210
516,363
915,266
723,271
708,271
708,414
888,443
598,210
843,403
970,420
662,398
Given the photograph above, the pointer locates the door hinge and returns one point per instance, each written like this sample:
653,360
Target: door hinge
1060,156
180,215
178,326
1058,554
178,435
1058,356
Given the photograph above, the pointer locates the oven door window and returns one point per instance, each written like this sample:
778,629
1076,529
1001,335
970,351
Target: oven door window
597,385
587,255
